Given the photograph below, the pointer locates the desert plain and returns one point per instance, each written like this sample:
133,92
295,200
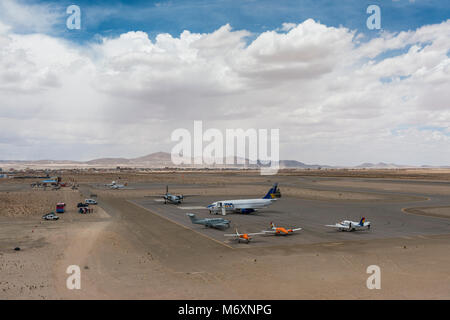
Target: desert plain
133,246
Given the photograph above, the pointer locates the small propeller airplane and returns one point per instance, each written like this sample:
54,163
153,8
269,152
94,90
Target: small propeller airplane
172,198
280,230
348,225
242,236
218,223
115,185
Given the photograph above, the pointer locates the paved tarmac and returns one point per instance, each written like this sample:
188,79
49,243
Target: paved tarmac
387,218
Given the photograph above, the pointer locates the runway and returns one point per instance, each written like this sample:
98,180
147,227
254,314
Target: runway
387,218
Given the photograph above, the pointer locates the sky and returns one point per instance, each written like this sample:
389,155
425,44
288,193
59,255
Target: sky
340,93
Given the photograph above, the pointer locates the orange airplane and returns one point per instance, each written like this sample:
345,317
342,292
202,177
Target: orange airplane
280,230
243,236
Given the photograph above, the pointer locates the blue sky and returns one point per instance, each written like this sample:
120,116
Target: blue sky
113,17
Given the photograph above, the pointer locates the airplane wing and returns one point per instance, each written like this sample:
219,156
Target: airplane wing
219,224
337,225
297,229
269,231
254,234
231,235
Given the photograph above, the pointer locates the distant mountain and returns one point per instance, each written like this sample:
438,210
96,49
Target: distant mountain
108,161
163,160
297,164
157,156
381,165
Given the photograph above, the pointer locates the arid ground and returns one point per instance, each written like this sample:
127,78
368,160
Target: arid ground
131,251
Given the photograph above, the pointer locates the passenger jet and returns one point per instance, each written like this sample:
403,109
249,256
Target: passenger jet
244,205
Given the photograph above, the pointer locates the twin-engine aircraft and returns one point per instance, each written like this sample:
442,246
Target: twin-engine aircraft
172,198
245,205
218,223
348,225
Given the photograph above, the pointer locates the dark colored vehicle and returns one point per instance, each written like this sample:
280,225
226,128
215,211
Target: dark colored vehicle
82,205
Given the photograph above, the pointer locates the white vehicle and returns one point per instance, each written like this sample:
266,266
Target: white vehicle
90,201
348,225
50,216
243,205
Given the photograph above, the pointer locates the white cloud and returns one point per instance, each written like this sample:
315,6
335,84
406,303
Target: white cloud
336,100
26,17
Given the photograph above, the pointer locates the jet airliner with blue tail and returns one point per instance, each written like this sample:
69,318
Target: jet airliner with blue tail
245,205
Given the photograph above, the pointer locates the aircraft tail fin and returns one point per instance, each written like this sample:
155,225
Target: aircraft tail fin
272,225
271,193
167,189
192,217
361,223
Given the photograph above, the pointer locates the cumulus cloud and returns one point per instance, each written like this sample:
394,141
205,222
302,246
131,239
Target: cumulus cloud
336,98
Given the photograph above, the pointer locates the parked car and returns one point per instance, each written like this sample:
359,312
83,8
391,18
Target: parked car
50,216
82,205
90,201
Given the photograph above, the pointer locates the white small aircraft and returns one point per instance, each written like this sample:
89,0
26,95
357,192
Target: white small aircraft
114,185
348,225
244,205
242,236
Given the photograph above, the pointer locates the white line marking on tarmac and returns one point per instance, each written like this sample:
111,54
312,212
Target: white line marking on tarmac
192,208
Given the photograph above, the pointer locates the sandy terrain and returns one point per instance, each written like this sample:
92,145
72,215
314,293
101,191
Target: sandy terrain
443,212
420,188
35,202
126,252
